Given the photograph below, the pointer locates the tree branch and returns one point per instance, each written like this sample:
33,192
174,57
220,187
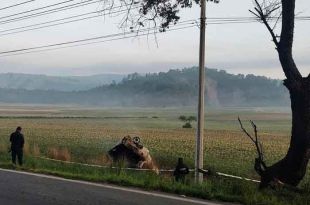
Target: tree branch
266,11
263,14
260,165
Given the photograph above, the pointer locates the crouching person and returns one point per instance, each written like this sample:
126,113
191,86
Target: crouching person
17,145
180,171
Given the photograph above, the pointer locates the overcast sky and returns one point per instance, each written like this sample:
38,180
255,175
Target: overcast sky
237,48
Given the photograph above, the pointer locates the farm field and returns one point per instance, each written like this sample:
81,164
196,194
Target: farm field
84,135
87,134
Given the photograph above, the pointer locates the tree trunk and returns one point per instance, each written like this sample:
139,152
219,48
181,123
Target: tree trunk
292,168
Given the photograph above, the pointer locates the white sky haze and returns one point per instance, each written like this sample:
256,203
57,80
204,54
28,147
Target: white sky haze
237,48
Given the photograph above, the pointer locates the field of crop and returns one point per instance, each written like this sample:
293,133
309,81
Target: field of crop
85,135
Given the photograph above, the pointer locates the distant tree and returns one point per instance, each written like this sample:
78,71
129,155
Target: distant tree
292,168
182,118
192,118
188,120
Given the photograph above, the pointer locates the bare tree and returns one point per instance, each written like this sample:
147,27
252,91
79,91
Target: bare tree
292,168
260,165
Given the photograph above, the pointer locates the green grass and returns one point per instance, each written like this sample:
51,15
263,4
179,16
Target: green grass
213,188
88,134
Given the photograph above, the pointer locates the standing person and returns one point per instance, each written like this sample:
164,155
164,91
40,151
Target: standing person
17,145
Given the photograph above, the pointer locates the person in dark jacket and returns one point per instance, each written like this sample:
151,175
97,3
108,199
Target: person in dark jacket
17,144
181,170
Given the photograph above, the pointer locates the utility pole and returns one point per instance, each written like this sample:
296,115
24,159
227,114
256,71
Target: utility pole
201,99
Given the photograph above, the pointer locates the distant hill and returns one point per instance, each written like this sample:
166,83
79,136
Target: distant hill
172,88
43,82
180,88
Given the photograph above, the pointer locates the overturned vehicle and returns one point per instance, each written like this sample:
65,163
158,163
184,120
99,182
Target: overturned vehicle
131,152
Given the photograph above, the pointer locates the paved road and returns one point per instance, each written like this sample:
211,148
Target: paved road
20,188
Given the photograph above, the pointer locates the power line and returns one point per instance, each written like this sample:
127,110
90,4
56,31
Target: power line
217,21
50,11
84,3
55,10
230,19
249,17
96,42
193,22
83,42
43,24
113,37
212,20
66,18
40,8
80,40
15,5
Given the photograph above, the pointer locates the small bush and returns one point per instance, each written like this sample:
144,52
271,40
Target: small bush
187,125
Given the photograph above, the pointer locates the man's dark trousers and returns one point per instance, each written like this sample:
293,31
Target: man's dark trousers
19,154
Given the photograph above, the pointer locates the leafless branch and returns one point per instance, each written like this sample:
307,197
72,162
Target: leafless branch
266,11
260,165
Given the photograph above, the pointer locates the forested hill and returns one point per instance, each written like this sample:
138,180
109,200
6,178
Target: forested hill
172,88
180,87
57,83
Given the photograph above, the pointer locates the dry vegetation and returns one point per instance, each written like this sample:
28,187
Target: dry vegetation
85,136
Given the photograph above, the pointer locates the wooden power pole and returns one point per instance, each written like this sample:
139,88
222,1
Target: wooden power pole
201,99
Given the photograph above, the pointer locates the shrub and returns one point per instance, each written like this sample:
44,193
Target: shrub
187,125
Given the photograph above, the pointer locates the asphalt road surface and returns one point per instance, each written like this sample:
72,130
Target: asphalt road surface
21,188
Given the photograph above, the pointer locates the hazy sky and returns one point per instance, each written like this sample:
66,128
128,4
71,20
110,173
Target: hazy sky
237,48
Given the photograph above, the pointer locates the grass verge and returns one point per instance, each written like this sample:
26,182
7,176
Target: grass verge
214,188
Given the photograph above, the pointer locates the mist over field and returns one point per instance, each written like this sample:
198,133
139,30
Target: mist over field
164,89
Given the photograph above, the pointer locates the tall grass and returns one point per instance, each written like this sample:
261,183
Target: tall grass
62,154
36,150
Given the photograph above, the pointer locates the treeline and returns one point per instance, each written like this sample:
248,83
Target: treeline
172,88
56,83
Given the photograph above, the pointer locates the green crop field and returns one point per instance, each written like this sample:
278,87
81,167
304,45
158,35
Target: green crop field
84,135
